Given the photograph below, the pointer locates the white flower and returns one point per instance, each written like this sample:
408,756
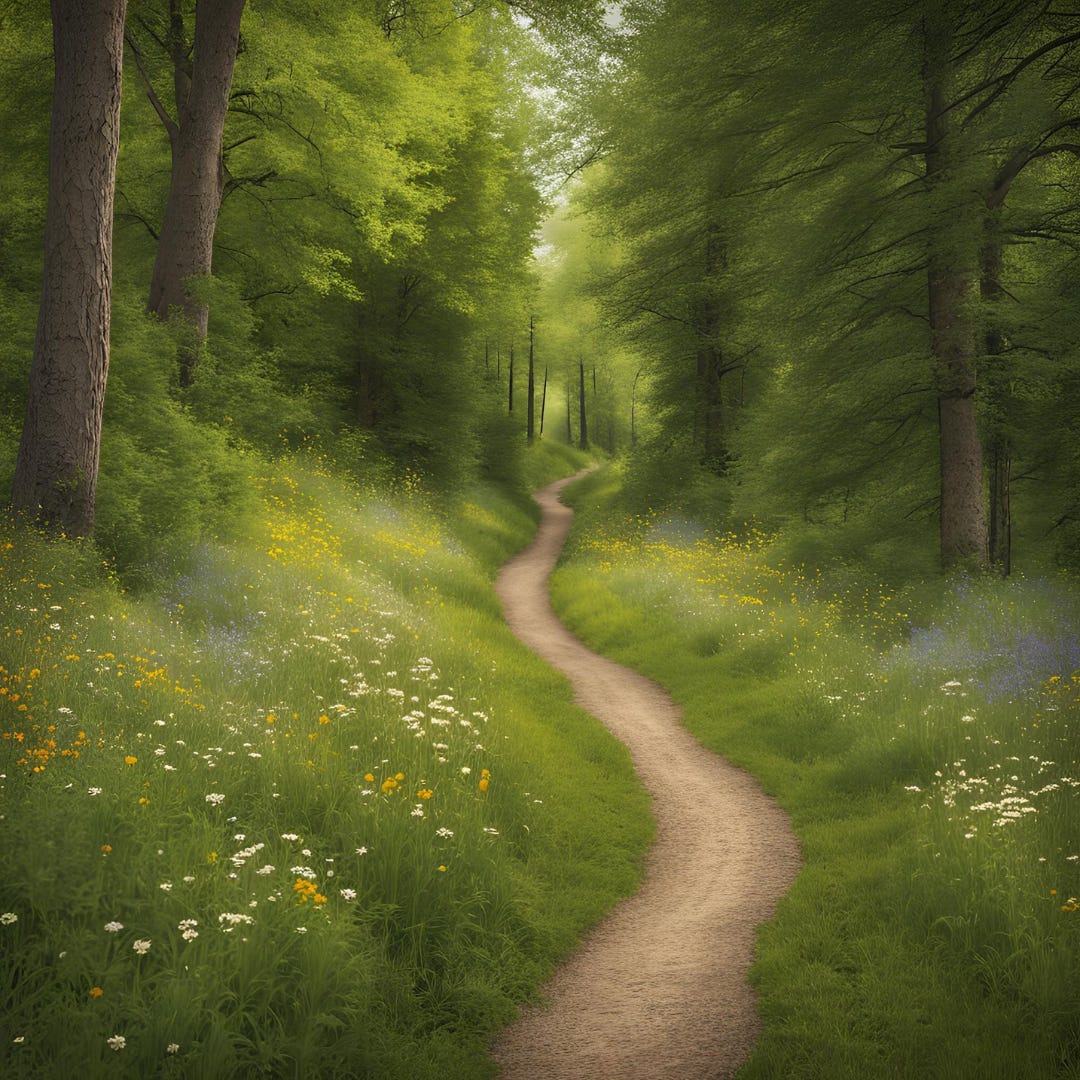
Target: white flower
8,918
215,799
93,791
348,894
114,927
117,1042
190,934
301,929
361,851
141,946
19,1039
289,836
172,1048
165,886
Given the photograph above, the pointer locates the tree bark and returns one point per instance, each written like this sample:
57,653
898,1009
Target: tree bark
952,331
584,433
543,401
531,412
1000,449
57,466
186,243
710,363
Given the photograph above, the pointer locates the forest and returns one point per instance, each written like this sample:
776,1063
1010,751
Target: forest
298,304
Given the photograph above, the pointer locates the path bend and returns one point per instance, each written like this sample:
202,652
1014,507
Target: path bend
659,989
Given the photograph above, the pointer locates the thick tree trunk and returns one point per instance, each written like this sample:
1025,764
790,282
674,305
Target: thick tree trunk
1000,449
952,331
186,243
57,466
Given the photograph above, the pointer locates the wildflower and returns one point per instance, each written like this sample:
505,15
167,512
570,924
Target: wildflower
172,1048
348,894
215,799
141,946
113,927
96,991
117,1042
424,793
8,918
129,760
93,791
361,851
483,785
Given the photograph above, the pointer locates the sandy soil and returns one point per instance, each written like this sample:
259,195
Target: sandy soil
659,989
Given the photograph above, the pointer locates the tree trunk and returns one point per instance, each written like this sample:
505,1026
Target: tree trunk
543,401
569,431
57,466
1000,450
186,244
952,331
633,409
584,442
531,421
709,415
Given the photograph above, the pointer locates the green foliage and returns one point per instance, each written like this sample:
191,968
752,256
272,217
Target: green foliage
167,481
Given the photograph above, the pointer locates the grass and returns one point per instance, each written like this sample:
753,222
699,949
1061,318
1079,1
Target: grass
925,742
299,806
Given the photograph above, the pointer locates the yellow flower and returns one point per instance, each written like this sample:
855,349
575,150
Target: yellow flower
442,869
424,793
96,991
483,785
324,719
130,760
144,801
399,776
369,778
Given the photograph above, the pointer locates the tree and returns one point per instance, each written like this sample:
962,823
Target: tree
950,282
202,72
531,411
57,467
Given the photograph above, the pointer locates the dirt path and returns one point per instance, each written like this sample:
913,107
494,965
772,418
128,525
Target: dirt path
659,989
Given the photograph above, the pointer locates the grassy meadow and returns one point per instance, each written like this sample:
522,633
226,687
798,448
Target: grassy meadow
925,742
296,806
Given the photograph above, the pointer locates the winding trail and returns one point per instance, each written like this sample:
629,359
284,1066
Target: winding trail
658,990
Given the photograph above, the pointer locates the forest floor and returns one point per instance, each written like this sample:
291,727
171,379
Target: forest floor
659,989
